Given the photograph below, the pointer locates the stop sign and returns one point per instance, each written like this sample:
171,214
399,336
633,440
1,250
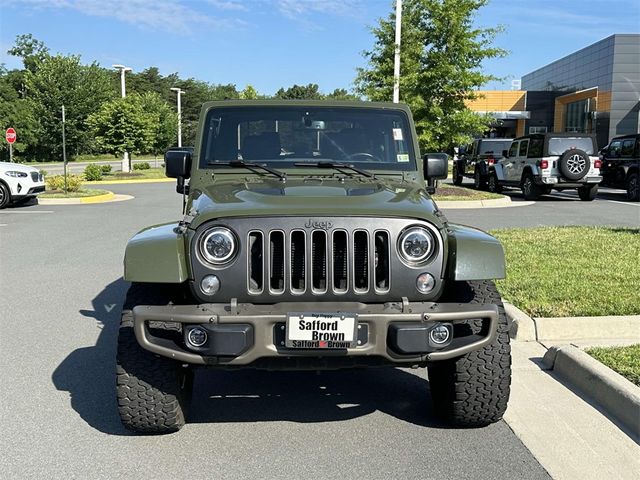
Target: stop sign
10,135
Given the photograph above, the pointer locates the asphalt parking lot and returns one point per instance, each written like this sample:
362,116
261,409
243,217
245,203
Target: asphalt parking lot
62,290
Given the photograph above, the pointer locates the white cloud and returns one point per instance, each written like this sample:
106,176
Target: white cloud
168,15
300,8
228,5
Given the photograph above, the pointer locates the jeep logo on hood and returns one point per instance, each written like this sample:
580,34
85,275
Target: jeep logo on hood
323,224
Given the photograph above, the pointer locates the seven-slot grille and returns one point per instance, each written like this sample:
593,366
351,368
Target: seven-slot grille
318,261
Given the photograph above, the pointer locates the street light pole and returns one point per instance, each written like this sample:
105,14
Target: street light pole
396,57
125,158
64,150
179,93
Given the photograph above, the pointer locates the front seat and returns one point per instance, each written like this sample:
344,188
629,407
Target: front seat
264,146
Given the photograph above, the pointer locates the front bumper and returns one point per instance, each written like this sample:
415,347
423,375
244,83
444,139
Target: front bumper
253,335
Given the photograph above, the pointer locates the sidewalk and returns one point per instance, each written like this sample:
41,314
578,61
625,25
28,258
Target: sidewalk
568,434
562,404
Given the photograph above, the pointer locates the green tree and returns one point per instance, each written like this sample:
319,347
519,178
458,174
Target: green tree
63,80
342,94
163,119
31,50
121,125
18,113
440,67
300,92
249,93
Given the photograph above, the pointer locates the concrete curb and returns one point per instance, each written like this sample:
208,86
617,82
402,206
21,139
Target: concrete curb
616,394
491,203
106,198
120,182
613,327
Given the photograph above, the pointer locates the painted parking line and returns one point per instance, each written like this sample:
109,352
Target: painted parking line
32,212
624,203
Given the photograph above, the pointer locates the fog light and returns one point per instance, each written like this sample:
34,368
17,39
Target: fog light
197,337
210,284
439,334
425,282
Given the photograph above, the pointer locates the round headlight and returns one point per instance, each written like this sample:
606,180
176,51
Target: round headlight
218,245
415,244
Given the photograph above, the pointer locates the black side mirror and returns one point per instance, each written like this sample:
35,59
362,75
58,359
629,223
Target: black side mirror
436,167
177,163
505,153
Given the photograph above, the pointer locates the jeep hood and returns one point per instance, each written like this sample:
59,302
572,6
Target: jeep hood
311,196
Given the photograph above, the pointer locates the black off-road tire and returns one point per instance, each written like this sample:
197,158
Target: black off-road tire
473,390
493,184
479,181
574,164
633,187
530,190
5,195
153,392
457,176
588,192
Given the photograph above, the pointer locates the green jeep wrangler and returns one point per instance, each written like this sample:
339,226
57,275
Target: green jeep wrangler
309,241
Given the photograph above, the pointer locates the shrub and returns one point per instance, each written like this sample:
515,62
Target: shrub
93,173
141,166
106,169
56,182
43,172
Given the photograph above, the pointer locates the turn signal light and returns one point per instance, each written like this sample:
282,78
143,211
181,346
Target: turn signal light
491,160
597,164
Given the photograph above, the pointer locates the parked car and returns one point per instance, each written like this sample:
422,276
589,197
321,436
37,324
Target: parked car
19,183
475,160
309,241
621,165
539,163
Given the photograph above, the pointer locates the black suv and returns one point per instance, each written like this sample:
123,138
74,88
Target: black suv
621,164
475,160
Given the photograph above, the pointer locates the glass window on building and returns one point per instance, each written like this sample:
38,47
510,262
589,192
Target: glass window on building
533,130
575,120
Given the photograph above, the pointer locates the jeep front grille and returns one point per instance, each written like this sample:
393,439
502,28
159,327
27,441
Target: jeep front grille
318,261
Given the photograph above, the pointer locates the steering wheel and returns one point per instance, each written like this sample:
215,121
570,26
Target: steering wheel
364,154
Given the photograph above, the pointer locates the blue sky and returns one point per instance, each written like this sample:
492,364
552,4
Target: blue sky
274,43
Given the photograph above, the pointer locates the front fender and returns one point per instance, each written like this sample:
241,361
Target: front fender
474,255
157,255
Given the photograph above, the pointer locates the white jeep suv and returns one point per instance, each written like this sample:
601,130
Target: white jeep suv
19,183
539,163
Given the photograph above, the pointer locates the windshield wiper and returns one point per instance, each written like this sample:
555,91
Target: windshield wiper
341,167
254,167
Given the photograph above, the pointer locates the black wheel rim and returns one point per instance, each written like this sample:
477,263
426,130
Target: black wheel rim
1,195
633,188
527,186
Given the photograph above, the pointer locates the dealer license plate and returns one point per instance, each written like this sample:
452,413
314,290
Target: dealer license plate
321,330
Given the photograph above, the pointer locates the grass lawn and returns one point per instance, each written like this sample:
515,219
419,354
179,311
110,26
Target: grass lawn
448,193
624,360
88,192
150,173
572,271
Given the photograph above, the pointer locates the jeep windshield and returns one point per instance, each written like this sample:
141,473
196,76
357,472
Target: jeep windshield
288,137
559,145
